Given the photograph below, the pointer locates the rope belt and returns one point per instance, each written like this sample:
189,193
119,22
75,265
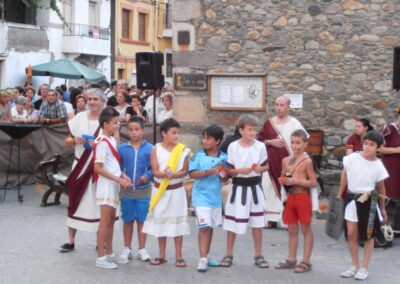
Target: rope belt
251,182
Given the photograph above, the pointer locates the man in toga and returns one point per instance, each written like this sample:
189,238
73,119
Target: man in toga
275,134
83,213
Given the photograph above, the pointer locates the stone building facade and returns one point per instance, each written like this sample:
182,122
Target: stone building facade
337,53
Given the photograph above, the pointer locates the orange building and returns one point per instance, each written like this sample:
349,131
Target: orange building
141,26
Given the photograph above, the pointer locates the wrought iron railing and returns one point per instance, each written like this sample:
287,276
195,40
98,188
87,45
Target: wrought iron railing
86,31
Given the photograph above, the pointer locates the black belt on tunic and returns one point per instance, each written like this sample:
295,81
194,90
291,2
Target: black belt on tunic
251,182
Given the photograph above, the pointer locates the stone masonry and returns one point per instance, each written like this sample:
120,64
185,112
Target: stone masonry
338,54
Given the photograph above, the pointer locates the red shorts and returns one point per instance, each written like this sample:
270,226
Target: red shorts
298,209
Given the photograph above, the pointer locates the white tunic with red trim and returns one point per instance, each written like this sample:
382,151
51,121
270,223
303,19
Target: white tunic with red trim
107,191
87,216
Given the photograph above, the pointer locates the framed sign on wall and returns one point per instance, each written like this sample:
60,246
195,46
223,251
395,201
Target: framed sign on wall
246,91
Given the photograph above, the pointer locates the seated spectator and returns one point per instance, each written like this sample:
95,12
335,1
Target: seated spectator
75,92
113,89
167,112
149,105
80,102
43,89
52,110
122,85
30,92
68,106
136,109
5,106
19,91
66,94
122,98
18,112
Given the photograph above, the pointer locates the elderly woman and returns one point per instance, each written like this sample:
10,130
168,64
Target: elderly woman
5,105
83,214
167,112
354,143
122,98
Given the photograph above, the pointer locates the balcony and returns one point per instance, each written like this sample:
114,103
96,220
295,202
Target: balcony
85,39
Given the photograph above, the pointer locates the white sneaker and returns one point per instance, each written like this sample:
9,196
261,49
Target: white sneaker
349,273
361,274
203,264
143,255
125,256
105,262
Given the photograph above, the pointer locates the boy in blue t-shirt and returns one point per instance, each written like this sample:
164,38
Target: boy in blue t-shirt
207,168
135,163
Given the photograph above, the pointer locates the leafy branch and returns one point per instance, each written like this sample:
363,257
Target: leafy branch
38,4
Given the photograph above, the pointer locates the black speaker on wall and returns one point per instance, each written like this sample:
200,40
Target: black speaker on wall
396,68
149,71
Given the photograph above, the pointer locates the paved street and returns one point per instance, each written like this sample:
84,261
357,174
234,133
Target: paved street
30,236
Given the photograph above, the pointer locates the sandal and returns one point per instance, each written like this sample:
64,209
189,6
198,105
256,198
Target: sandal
287,264
303,267
260,262
158,261
180,262
226,261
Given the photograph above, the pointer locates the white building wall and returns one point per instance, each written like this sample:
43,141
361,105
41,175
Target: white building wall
13,68
13,63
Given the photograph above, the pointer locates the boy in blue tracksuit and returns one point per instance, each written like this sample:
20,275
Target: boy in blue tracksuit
135,163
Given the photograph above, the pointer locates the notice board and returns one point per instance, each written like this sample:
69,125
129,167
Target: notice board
245,91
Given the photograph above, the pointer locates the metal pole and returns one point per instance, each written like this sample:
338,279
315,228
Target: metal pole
154,118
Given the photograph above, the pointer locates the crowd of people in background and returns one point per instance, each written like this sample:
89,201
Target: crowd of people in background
61,104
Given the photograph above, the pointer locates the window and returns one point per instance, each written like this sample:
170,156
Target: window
92,14
18,12
142,26
169,65
125,23
121,74
168,19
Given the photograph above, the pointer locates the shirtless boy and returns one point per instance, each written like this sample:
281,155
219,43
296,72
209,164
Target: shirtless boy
298,176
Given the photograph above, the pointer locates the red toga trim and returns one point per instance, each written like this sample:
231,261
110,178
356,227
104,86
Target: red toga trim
275,155
77,183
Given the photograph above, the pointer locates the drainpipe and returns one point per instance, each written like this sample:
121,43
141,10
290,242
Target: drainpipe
113,35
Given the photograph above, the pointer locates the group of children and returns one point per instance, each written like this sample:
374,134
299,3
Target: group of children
161,209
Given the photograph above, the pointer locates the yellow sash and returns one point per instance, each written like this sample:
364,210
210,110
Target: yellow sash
172,164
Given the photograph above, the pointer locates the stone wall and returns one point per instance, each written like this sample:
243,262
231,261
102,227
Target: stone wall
338,54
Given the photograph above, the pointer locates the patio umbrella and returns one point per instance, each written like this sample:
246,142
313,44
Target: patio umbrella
67,69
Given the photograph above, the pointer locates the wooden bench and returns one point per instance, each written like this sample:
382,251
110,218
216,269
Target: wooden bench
53,179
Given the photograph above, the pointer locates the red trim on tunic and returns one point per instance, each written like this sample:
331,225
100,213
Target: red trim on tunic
113,151
244,220
275,155
89,220
77,182
392,162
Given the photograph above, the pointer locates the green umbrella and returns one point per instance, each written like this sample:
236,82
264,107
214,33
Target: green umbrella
67,69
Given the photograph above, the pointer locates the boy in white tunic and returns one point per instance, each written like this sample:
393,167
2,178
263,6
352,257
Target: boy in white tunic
362,173
168,218
245,206
108,177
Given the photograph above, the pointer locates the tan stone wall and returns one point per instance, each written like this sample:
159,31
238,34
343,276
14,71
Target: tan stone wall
338,54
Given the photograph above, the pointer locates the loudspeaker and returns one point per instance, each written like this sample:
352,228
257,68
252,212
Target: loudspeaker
148,70
396,68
